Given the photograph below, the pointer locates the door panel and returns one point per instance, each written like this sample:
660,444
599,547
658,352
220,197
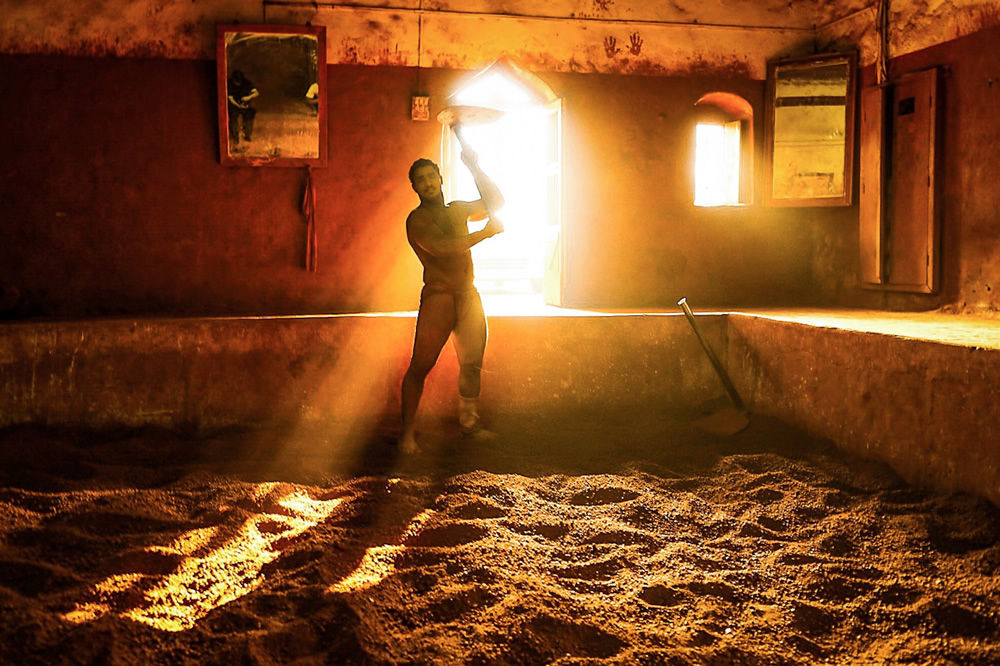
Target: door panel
911,180
554,280
899,228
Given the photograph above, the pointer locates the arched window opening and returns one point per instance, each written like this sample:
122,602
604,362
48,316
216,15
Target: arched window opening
723,151
522,153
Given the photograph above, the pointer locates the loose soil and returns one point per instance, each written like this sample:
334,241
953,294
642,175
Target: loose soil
576,539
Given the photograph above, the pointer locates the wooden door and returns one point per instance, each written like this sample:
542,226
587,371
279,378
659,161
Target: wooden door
872,185
912,230
899,227
554,235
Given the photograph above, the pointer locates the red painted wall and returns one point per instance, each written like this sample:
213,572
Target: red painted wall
114,202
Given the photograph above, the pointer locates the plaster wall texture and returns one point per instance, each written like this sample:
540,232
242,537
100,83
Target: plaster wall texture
117,205
568,44
970,196
567,35
913,25
926,408
633,235
121,28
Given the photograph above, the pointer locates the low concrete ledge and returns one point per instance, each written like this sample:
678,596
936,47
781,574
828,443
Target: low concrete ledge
341,370
889,389
867,382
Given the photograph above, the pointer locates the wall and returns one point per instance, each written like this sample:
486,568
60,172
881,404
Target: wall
661,36
114,200
928,409
925,406
673,36
115,203
969,198
340,372
913,25
634,236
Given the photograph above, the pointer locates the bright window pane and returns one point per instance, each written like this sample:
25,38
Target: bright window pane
717,164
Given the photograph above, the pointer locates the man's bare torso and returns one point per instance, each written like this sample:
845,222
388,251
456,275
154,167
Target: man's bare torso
452,273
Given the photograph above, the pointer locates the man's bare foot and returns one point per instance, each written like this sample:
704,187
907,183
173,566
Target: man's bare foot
408,444
478,433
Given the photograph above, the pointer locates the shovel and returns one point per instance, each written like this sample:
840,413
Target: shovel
732,419
457,116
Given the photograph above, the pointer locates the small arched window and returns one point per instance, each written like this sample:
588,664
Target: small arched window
723,151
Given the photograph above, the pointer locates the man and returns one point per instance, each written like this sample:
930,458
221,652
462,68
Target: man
312,99
449,303
240,93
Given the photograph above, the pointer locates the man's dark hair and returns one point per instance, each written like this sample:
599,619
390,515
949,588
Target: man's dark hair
422,162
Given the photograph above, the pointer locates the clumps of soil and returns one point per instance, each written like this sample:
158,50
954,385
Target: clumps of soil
621,542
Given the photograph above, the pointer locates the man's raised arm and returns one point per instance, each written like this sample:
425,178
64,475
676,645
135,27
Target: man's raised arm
489,193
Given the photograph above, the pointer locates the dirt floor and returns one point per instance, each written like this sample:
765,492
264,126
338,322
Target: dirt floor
598,538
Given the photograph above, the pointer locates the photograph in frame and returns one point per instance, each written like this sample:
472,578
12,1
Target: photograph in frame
272,95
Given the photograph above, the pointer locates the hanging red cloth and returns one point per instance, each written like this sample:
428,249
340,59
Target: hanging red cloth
309,210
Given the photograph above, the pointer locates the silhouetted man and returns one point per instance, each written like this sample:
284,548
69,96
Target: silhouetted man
449,303
240,93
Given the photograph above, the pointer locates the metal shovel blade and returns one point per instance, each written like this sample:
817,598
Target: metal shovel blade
726,422
468,115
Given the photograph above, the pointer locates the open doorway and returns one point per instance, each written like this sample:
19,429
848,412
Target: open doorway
522,152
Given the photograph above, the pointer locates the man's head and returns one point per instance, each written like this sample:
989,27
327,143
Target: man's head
425,179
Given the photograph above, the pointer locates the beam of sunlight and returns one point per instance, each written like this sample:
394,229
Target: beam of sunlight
520,152
379,562
354,370
188,542
106,590
201,583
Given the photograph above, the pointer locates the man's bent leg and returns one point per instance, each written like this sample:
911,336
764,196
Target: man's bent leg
470,347
248,116
234,127
435,320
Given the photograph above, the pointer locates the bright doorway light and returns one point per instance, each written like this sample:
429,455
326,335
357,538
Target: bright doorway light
717,164
521,153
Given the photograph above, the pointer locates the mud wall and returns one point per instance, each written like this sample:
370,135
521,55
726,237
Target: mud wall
634,236
913,25
969,199
609,36
562,35
925,408
115,203
341,372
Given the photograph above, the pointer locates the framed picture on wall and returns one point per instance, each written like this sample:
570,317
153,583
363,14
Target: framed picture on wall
272,95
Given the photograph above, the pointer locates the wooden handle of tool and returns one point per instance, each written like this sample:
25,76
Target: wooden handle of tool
476,175
721,371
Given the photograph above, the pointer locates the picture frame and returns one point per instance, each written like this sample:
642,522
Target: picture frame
272,95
